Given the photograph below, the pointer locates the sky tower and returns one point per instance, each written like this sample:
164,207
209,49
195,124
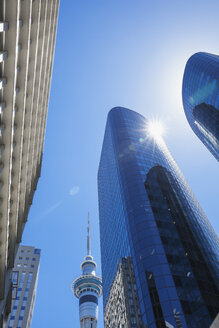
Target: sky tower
88,288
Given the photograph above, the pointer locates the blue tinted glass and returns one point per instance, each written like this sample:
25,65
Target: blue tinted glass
148,211
200,98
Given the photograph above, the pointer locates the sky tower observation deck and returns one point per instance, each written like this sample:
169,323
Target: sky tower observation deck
88,288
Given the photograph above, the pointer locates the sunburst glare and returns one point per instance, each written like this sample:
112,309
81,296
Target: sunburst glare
155,129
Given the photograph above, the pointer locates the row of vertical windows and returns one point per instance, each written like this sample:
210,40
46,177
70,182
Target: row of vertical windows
27,258
23,274
155,301
192,277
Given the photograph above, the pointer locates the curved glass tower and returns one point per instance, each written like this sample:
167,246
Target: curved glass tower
148,212
200,94
88,288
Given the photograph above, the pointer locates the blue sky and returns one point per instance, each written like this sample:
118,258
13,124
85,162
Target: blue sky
111,53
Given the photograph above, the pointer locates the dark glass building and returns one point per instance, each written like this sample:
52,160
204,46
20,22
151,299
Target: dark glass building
149,213
200,93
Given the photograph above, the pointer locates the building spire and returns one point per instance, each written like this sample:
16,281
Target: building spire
88,236
83,288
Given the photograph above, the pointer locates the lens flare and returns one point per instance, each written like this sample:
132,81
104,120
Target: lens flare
155,129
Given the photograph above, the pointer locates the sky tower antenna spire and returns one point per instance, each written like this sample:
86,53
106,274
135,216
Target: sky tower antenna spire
88,288
88,236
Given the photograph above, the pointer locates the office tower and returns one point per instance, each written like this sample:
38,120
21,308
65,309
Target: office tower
24,280
200,98
148,212
123,307
215,324
88,288
27,40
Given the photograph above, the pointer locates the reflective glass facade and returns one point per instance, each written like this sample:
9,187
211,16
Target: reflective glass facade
147,211
201,98
24,286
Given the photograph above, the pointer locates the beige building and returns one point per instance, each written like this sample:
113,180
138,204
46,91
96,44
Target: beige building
27,40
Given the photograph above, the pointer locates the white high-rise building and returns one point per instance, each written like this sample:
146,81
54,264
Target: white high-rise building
24,280
27,41
88,288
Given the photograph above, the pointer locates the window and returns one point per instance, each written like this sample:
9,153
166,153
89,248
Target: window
88,298
15,278
22,313
155,301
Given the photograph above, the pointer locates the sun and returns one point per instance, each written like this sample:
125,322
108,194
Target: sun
155,129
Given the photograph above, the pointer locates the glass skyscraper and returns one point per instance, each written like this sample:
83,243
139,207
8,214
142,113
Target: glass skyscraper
201,98
148,212
24,286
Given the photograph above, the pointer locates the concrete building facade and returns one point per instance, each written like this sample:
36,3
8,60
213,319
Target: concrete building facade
27,41
123,308
24,280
